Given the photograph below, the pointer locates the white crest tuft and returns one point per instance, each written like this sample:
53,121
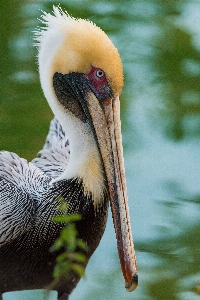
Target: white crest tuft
58,19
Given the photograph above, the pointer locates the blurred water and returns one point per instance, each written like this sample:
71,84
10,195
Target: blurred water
163,174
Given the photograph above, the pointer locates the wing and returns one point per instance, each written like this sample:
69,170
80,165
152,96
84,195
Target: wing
16,212
54,156
21,187
56,133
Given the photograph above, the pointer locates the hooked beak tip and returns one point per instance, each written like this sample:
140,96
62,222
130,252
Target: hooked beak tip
130,287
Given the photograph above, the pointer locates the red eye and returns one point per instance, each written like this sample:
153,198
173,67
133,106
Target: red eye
99,73
98,83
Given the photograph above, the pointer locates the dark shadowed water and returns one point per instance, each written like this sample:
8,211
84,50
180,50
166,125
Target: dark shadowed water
159,42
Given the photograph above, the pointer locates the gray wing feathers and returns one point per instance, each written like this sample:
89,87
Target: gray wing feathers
54,156
22,185
16,212
24,175
55,131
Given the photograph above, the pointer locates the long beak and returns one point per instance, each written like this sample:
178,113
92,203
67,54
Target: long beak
107,125
104,119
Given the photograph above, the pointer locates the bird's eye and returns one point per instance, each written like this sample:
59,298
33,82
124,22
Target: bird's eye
99,73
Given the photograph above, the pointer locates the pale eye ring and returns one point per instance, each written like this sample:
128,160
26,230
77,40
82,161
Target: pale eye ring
99,73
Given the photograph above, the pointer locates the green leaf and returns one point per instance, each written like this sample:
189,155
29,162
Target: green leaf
62,269
79,269
81,244
69,259
77,256
73,217
57,245
66,218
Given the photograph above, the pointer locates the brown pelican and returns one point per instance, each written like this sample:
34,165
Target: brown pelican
81,76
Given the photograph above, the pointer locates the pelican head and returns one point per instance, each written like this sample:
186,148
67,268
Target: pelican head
82,77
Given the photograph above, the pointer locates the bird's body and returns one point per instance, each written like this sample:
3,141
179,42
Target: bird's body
35,200
81,161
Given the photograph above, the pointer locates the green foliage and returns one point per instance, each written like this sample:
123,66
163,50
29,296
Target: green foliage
68,245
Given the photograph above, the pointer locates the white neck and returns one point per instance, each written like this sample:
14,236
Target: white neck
85,161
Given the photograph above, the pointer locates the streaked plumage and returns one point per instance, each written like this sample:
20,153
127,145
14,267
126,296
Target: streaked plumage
54,156
28,203
82,160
